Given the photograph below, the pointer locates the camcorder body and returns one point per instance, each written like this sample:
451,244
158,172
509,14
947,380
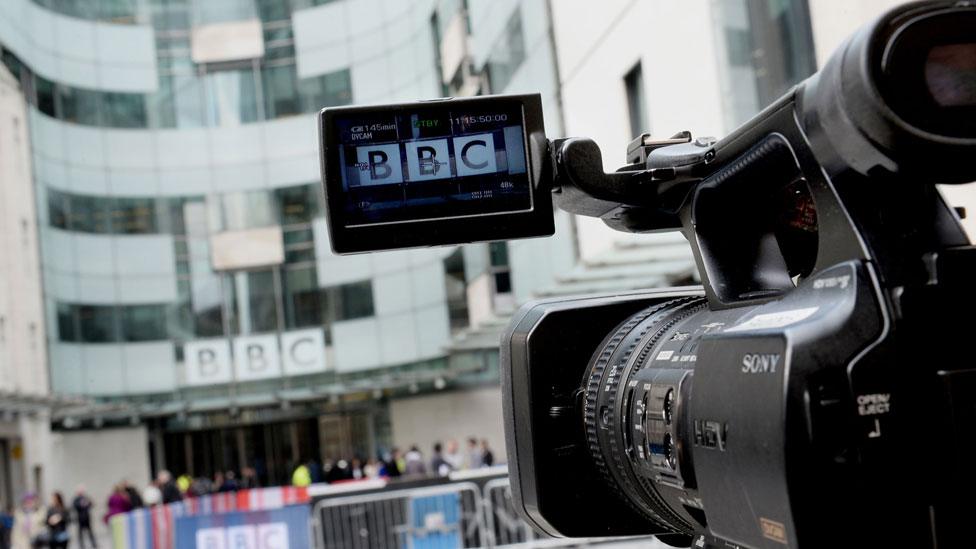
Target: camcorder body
817,390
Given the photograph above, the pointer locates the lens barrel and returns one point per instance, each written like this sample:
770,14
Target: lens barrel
631,408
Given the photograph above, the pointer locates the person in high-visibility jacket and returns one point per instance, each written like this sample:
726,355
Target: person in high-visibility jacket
301,477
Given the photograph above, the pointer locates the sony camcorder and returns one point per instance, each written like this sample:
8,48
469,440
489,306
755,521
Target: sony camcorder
818,389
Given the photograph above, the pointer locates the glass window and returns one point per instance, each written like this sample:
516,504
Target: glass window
206,299
90,214
98,323
768,48
170,15
299,255
66,322
299,236
280,91
44,89
300,4
180,321
78,105
57,209
134,216
244,210
507,55
456,290
123,110
261,301
327,90
298,204
177,216
232,97
278,34
13,63
178,103
219,11
273,10
354,300
498,254
144,323
636,107
117,11
303,300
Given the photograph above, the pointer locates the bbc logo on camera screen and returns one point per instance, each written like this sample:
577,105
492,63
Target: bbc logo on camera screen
429,163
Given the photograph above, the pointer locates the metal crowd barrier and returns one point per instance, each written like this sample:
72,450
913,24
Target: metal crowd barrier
444,516
503,524
457,515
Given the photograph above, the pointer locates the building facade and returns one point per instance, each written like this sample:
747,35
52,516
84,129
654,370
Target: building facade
25,401
193,308
189,290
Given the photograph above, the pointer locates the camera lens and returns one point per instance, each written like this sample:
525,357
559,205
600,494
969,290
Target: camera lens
631,412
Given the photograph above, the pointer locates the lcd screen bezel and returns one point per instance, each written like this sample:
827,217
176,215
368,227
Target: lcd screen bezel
535,221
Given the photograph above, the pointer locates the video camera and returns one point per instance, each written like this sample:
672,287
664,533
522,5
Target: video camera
816,391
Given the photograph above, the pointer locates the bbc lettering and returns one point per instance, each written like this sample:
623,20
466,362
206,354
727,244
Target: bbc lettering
427,160
209,361
261,536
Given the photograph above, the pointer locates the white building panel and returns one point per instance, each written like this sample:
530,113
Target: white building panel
355,344
149,367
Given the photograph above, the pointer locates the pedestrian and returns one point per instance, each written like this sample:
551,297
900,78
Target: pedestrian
372,468
183,483
474,458
57,521
356,468
6,527
135,499
438,465
487,456
118,502
82,505
414,462
29,529
453,455
315,471
151,494
230,483
249,479
391,466
168,488
218,481
301,477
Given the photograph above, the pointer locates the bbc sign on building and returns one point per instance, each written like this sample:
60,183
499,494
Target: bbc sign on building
251,358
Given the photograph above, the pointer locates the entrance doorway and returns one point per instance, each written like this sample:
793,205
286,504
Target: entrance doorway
272,449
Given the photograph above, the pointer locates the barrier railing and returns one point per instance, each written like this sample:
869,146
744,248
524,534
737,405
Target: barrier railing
448,515
469,511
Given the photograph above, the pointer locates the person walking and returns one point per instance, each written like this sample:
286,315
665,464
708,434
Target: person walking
414,462
475,459
168,488
118,502
135,499
438,465
487,456
57,521
6,527
301,477
82,505
29,527
453,455
151,495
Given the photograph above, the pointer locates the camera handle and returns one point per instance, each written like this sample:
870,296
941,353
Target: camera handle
643,196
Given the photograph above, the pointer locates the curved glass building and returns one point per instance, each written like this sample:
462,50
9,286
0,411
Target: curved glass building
188,282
